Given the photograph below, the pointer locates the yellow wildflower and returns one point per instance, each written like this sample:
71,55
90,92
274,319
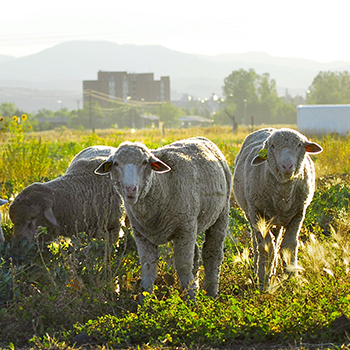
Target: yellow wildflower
15,118
1,119
24,117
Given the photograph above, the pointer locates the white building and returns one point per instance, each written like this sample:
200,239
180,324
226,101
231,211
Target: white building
323,119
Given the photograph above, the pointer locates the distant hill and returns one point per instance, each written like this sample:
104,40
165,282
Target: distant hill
4,58
65,66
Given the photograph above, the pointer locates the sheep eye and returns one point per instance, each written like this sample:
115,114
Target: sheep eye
145,162
272,146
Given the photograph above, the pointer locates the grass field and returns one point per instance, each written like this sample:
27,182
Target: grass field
52,296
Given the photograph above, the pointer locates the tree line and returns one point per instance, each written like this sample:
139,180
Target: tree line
246,94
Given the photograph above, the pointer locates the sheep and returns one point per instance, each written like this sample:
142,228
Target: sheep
2,202
76,202
274,182
172,194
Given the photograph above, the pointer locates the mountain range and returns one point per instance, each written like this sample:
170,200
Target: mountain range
53,77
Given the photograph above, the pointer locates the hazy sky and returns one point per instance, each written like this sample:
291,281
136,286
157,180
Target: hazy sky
311,29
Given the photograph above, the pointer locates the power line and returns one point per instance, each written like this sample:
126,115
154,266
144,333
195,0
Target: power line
108,98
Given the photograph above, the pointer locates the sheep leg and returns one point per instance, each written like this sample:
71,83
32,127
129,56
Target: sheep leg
264,246
277,234
290,241
195,260
184,254
264,255
213,253
149,256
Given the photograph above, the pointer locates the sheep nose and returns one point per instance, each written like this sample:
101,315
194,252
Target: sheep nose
288,167
131,189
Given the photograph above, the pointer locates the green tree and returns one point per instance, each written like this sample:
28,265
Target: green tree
8,109
47,114
169,114
287,113
225,117
240,91
268,99
293,101
44,113
119,114
90,117
250,94
329,88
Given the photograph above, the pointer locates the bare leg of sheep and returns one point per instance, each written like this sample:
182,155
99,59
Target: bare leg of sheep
212,254
277,234
264,255
290,240
184,258
149,256
195,261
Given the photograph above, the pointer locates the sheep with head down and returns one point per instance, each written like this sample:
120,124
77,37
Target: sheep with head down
174,193
274,181
76,202
2,202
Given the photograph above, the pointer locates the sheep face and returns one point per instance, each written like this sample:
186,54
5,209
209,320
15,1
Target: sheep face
131,169
30,209
284,151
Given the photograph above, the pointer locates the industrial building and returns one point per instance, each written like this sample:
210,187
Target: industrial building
125,86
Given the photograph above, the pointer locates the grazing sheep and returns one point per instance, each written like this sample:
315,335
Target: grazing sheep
274,181
172,194
76,202
2,238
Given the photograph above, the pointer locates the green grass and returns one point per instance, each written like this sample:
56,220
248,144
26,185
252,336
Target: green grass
50,294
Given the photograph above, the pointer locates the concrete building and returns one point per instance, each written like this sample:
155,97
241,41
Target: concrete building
126,86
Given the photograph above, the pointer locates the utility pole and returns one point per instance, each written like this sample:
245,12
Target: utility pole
234,124
90,113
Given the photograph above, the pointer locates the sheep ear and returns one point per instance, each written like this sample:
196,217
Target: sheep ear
260,157
104,168
32,226
257,160
27,231
48,213
312,147
159,166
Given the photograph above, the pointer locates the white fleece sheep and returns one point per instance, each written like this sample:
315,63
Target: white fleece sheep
173,194
2,238
274,179
76,202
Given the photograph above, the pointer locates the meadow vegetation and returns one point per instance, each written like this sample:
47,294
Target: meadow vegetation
77,290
